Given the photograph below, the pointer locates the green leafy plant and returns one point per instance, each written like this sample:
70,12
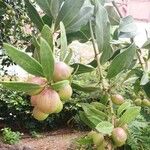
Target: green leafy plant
84,20
10,137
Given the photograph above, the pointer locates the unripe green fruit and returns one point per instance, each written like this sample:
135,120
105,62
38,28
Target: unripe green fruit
39,81
146,102
119,136
48,100
8,12
59,107
61,71
13,13
39,115
117,99
22,17
138,102
98,138
65,93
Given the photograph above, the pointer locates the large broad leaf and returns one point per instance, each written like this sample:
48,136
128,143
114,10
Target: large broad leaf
99,106
47,59
46,33
102,31
58,85
28,63
80,68
127,27
34,16
63,39
84,118
21,86
129,115
123,107
113,15
105,127
68,12
83,35
121,61
86,89
81,18
50,7
146,88
91,111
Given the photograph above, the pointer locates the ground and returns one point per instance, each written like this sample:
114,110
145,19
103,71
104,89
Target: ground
57,140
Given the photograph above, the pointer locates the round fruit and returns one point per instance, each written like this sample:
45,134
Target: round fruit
37,114
61,71
59,107
65,93
117,99
39,81
146,102
138,102
98,138
48,101
8,12
90,134
33,100
119,136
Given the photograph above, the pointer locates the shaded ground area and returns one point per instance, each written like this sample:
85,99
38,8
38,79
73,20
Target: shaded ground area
56,140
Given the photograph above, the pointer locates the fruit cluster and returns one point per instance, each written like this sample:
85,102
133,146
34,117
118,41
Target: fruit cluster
118,136
46,100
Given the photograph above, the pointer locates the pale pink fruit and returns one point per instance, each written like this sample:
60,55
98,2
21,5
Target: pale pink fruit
61,71
48,100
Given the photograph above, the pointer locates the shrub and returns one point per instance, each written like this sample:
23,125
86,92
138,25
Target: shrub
10,137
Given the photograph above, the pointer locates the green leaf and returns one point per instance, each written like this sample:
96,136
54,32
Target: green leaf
86,89
34,16
145,78
63,39
102,31
146,88
46,33
21,86
84,118
121,61
98,105
69,56
146,45
105,127
127,27
28,63
82,17
37,48
50,7
81,68
112,15
58,85
83,35
68,12
123,107
91,111
47,59
129,115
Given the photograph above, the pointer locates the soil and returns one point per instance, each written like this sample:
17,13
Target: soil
57,140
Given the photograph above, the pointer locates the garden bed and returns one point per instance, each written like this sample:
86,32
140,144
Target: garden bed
56,140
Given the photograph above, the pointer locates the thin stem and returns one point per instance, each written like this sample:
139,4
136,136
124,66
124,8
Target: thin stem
114,4
97,57
140,60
